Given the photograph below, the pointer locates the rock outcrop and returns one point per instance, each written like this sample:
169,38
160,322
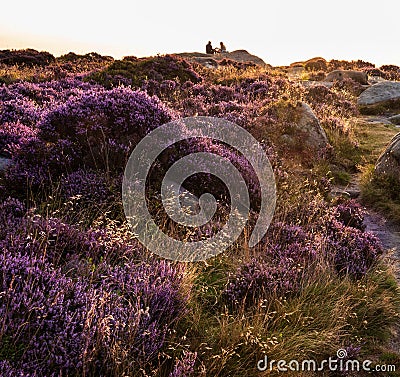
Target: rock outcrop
309,124
389,162
380,97
339,75
381,92
239,56
4,163
307,131
395,119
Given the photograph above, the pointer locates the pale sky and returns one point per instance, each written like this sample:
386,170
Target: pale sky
280,32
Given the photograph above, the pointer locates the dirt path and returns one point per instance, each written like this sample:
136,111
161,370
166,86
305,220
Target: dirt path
376,223
388,233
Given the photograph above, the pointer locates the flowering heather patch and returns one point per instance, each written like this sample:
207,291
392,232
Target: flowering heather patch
333,107
348,85
8,370
236,64
352,65
326,101
184,367
352,250
291,242
20,109
165,90
350,213
55,323
387,72
58,242
277,270
79,295
24,105
392,72
11,212
104,125
259,279
43,314
94,128
89,186
12,136
37,163
154,291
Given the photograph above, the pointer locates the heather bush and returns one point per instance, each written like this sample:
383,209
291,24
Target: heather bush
8,370
11,212
19,109
392,72
352,251
90,57
12,136
236,64
88,186
60,243
349,65
27,103
347,85
291,242
316,64
96,129
137,72
37,163
350,213
185,366
167,90
327,102
147,300
316,76
104,126
372,71
55,323
387,72
258,280
28,57
43,315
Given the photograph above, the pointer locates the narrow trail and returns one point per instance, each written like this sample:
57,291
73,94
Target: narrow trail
376,223
389,235
374,134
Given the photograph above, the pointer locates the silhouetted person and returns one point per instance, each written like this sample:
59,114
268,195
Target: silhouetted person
209,49
222,48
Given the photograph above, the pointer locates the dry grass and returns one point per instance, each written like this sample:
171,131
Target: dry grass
328,314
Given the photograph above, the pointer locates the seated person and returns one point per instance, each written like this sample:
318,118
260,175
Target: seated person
223,48
209,49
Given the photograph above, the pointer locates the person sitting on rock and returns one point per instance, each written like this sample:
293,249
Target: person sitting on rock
209,49
222,47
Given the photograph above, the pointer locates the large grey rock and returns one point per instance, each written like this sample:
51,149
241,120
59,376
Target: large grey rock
4,163
339,75
389,162
307,131
380,93
206,61
241,56
395,119
310,83
310,126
